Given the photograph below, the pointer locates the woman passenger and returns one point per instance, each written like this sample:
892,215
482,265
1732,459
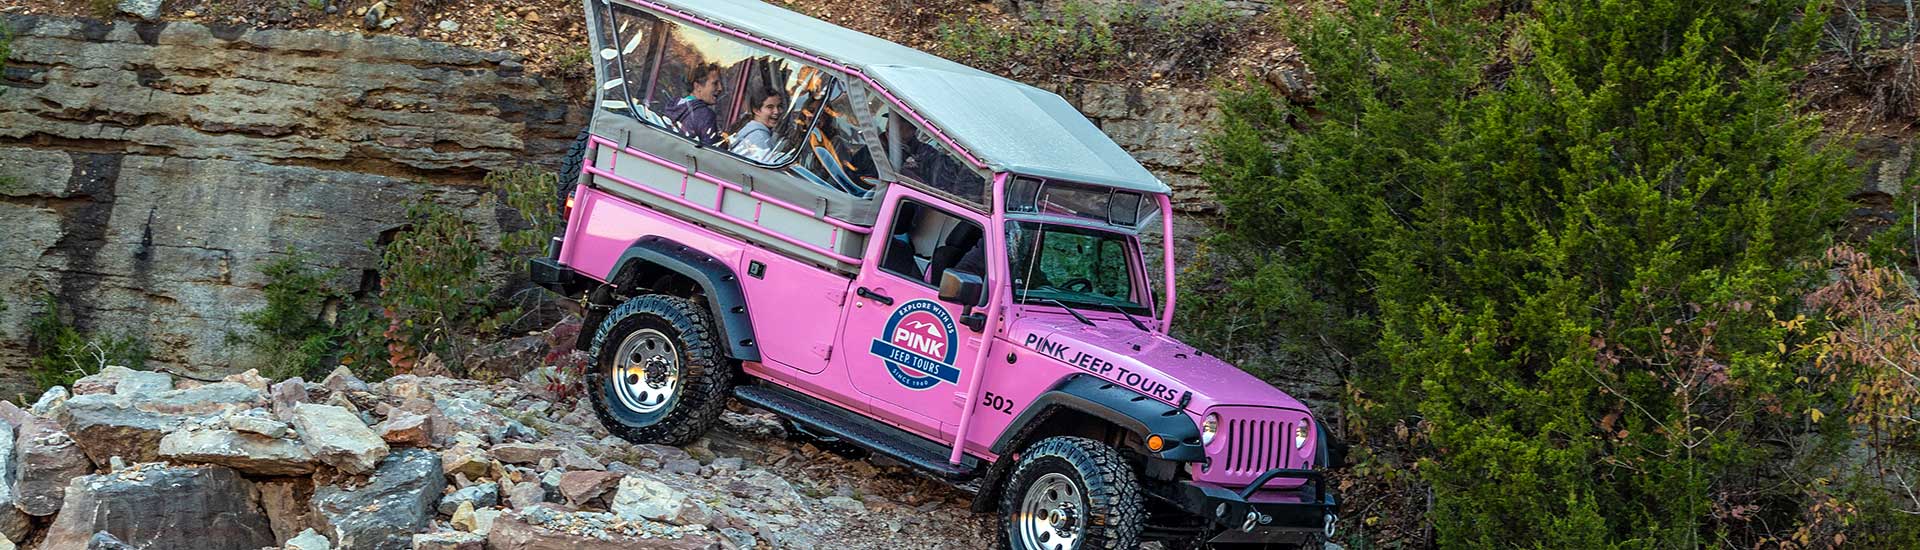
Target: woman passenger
753,136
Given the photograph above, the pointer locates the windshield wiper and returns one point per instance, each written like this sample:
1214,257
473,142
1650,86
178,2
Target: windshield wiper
1076,314
1123,311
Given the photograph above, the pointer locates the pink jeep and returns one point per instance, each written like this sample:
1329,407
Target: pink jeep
914,257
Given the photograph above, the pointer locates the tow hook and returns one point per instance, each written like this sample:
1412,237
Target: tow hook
1255,519
1332,520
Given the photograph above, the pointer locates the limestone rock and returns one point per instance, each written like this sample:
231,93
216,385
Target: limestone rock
581,487
308,540
288,505
526,494
146,10
450,540
52,402
206,399
154,506
286,394
467,460
101,382
640,497
342,379
45,459
106,426
251,378
541,529
384,513
338,438
472,520
525,453
141,383
14,524
481,495
257,421
250,453
405,428
106,541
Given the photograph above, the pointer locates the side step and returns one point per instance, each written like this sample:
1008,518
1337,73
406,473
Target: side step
871,434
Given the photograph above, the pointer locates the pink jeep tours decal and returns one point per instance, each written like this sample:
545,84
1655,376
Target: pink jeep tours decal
918,345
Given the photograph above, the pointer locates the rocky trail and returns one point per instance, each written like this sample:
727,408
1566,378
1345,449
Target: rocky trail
146,460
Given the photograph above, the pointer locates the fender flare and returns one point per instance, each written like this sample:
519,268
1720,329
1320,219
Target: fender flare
725,300
1113,403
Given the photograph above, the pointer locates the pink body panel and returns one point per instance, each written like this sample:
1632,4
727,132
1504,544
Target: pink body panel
799,305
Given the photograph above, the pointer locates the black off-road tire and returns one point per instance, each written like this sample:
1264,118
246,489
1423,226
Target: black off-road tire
1114,513
569,176
704,372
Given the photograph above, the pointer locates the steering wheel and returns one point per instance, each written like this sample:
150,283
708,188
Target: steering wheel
1078,284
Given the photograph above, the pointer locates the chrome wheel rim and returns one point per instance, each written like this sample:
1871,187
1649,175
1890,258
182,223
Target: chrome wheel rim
646,372
1050,515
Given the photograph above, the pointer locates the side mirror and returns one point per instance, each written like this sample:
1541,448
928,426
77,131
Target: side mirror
960,287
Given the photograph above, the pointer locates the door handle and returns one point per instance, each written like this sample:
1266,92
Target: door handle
869,294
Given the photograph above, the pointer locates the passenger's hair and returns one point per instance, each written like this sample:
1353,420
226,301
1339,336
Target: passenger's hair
699,72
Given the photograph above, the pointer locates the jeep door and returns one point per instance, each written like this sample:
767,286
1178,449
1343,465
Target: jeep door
906,350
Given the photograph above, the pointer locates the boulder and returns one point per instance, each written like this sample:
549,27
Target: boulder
14,524
639,497
251,379
288,504
450,540
286,394
526,494
142,383
526,453
467,460
472,520
408,429
581,487
257,421
384,512
481,495
106,541
45,459
156,506
109,425
202,400
338,438
308,540
52,402
543,528
342,379
101,382
146,10
249,453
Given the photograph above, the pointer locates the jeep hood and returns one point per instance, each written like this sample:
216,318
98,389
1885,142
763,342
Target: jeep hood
1150,363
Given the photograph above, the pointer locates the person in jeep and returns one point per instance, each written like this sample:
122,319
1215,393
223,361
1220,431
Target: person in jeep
694,113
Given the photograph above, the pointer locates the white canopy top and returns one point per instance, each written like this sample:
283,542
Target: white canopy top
1010,126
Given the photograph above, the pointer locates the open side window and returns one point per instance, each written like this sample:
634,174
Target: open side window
923,243
735,96
917,154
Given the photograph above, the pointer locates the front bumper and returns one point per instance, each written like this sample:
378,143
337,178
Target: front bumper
1253,515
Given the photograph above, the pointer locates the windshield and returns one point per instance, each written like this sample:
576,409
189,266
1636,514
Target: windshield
1075,265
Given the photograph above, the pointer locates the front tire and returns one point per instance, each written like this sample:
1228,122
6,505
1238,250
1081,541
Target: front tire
1071,493
658,374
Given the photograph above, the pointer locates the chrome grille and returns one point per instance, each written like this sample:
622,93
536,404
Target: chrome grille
1256,446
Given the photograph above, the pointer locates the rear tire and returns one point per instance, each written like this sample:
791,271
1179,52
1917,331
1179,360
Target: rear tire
569,176
1069,493
658,375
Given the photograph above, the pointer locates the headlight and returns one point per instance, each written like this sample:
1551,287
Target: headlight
1208,428
1300,435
